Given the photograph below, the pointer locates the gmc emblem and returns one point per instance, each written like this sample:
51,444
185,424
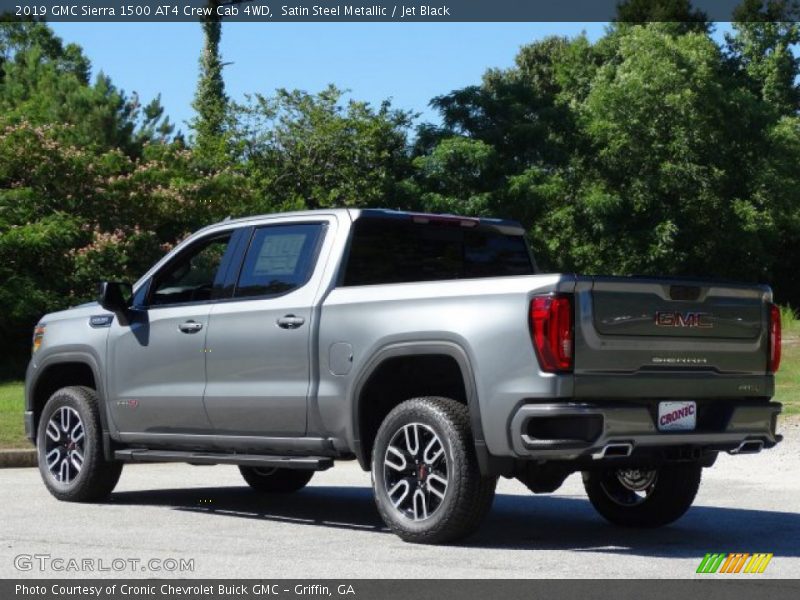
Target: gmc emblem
680,319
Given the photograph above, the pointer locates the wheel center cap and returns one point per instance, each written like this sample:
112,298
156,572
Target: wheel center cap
422,473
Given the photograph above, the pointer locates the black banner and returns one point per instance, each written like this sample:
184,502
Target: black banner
364,589
272,11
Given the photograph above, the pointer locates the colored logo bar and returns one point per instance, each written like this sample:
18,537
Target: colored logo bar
735,562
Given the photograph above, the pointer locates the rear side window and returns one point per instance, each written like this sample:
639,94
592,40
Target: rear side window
280,259
394,251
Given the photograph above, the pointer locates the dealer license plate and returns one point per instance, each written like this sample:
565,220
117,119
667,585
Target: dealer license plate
677,416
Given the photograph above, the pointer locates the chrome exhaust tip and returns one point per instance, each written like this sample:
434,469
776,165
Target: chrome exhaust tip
748,447
616,450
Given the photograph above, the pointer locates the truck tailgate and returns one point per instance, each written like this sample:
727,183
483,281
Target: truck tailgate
670,339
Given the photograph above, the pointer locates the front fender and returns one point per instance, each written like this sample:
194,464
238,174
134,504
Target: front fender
37,371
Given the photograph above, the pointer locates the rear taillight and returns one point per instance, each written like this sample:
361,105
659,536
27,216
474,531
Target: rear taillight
774,339
551,329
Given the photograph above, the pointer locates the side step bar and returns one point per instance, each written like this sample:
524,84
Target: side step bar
313,463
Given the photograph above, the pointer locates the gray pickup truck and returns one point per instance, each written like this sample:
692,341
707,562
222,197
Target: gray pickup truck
427,347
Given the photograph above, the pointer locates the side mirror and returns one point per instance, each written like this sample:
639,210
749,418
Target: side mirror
114,296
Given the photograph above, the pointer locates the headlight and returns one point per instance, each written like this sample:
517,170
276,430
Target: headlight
38,335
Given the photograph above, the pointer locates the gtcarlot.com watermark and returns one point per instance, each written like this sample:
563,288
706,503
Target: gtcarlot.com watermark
60,564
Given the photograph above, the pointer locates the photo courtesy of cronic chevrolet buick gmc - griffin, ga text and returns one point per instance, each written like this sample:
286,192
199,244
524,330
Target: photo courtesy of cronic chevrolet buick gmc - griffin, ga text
427,347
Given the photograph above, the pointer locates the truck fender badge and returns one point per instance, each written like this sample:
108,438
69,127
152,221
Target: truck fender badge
671,318
101,320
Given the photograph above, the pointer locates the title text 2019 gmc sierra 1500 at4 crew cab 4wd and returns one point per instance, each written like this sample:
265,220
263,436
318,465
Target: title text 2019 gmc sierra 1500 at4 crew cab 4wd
427,347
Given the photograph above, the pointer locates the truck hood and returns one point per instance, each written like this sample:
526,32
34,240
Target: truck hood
85,310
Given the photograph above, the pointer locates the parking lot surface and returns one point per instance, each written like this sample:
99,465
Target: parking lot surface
171,520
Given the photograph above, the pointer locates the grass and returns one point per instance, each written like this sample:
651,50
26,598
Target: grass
12,405
787,382
12,430
789,319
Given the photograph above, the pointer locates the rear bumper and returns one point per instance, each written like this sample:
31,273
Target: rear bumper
563,431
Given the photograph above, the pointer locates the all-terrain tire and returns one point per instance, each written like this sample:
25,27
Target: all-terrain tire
671,496
467,497
275,480
69,441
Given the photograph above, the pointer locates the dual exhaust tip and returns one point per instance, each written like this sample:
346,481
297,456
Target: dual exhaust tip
624,449
616,450
748,447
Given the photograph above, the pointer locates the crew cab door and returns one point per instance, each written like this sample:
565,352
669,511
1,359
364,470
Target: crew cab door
259,341
156,360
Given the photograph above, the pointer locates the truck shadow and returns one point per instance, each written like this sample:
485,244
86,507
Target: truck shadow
516,521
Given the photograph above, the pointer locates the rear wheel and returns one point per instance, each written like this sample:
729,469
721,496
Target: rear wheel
428,487
70,447
643,497
274,480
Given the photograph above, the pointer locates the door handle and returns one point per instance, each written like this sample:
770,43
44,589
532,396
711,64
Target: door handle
290,322
190,327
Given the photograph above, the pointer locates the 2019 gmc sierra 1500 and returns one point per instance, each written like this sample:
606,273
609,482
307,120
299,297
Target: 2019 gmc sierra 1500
427,347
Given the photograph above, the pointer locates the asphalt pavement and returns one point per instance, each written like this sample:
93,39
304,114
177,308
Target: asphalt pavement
171,520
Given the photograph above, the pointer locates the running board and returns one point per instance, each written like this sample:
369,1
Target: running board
313,463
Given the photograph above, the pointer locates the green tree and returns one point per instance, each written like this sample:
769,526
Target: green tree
304,150
455,177
764,46
503,142
211,102
650,151
680,15
74,160
44,81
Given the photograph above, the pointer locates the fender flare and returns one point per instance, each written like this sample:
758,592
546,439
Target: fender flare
73,356
419,348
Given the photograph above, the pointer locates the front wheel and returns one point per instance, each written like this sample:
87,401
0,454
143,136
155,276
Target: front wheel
428,487
643,497
70,447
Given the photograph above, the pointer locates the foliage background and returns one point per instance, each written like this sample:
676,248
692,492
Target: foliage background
654,150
